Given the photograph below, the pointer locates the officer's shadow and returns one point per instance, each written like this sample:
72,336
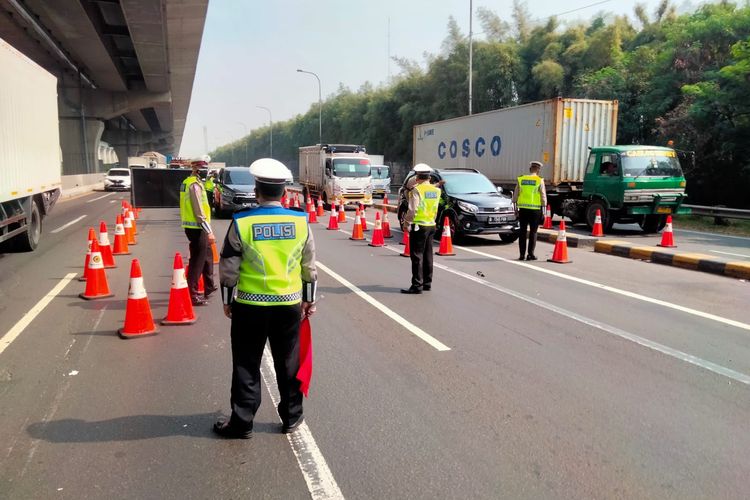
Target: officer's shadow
132,428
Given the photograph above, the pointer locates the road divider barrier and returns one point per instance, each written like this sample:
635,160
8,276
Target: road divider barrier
87,259
97,286
560,253
121,238
446,242
180,310
377,233
105,247
667,236
139,321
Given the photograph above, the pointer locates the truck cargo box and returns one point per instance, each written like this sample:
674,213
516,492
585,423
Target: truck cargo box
501,143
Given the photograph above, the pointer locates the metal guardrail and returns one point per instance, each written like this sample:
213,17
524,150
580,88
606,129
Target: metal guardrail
727,213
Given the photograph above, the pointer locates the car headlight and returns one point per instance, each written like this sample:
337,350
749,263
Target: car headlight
467,207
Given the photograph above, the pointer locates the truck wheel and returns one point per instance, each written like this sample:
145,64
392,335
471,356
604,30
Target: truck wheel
653,223
29,240
607,219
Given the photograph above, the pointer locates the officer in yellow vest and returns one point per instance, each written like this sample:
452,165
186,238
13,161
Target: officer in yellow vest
268,282
195,213
529,200
424,199
209,184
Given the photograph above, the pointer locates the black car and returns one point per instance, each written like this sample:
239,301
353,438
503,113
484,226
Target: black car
233,190
471,202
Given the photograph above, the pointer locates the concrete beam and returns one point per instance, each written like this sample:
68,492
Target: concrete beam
106,105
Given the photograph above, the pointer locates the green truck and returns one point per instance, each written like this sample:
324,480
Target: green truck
582,171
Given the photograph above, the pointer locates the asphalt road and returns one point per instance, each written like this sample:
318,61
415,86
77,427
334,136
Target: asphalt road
604,378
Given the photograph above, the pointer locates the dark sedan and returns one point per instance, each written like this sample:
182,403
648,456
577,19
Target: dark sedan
234,190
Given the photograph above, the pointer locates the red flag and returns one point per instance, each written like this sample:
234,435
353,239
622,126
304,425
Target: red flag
305,356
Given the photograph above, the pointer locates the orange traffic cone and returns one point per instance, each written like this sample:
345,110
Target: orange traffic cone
312,215
180,311
560,254
385,201
446,242
342,213
285,201
296,201
333,220
105,246
121,239
667,236
357,233
131,214
321,208
547,218
597,229
377,233
363,218
137,213
404,238
386,226
138,319
407,247
91,237
215,252
310,205
201,286
128,224
96,279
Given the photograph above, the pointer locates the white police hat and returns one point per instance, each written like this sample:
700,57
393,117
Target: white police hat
422,168
270,171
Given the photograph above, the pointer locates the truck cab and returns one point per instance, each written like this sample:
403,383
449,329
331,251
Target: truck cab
336,172
381,180
633,184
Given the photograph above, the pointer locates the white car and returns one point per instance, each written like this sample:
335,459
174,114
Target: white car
117,179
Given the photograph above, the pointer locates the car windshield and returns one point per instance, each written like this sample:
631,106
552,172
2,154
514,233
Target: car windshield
119,173
351,167
467,183
238,177
380,172
650,163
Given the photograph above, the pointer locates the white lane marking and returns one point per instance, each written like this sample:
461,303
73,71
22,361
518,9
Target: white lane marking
68,224
719,235
414,329
730,253
113,201
632,295
320,481
100,197
27,318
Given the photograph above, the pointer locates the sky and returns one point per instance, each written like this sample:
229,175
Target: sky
251,50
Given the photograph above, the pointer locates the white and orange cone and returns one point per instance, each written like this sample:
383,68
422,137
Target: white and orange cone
547,218
91,237
667,236
377,233
446,242
128,224
407,246
180,310
105,247
597,230
139,322
342,212
312,215
560,253
321,208
387,234
357,233
131,214
363,218
121,239
96,279
333,220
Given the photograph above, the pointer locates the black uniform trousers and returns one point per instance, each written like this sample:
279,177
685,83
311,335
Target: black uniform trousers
420,248
201,261
529,220
251,326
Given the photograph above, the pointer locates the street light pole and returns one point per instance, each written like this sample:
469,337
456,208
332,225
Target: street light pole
471,52
270,119
320,105
245,127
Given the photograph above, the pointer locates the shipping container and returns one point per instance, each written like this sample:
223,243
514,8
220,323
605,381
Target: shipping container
501,143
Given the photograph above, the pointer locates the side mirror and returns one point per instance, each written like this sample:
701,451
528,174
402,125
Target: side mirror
499,190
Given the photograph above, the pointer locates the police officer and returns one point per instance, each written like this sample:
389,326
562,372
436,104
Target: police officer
210,188
195,213
419,220
529,200
268,281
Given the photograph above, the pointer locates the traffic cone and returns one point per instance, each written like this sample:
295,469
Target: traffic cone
363,219
215,252
180,310
333,220
138,319
321,208
128,224
91,237
597,230
296,201
547,218
560,254
312,215
446,242
105,246
137,213
386,226
201,285
96,279
407,247
121,239
404,238
385,201
357,233
285,201
310,206
667,236
131,214
377,233
342,212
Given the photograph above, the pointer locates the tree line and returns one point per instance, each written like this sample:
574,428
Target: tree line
679,77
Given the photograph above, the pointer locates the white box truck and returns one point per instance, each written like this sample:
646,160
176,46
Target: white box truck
381,175
30,155
339,172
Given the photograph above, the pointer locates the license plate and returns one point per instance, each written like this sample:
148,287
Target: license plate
495,220
663,210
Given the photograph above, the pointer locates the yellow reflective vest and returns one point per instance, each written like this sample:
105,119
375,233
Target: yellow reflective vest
186,209
429,200
529,195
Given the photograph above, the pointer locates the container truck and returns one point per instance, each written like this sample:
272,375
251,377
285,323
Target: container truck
339,172
30,152
574,138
